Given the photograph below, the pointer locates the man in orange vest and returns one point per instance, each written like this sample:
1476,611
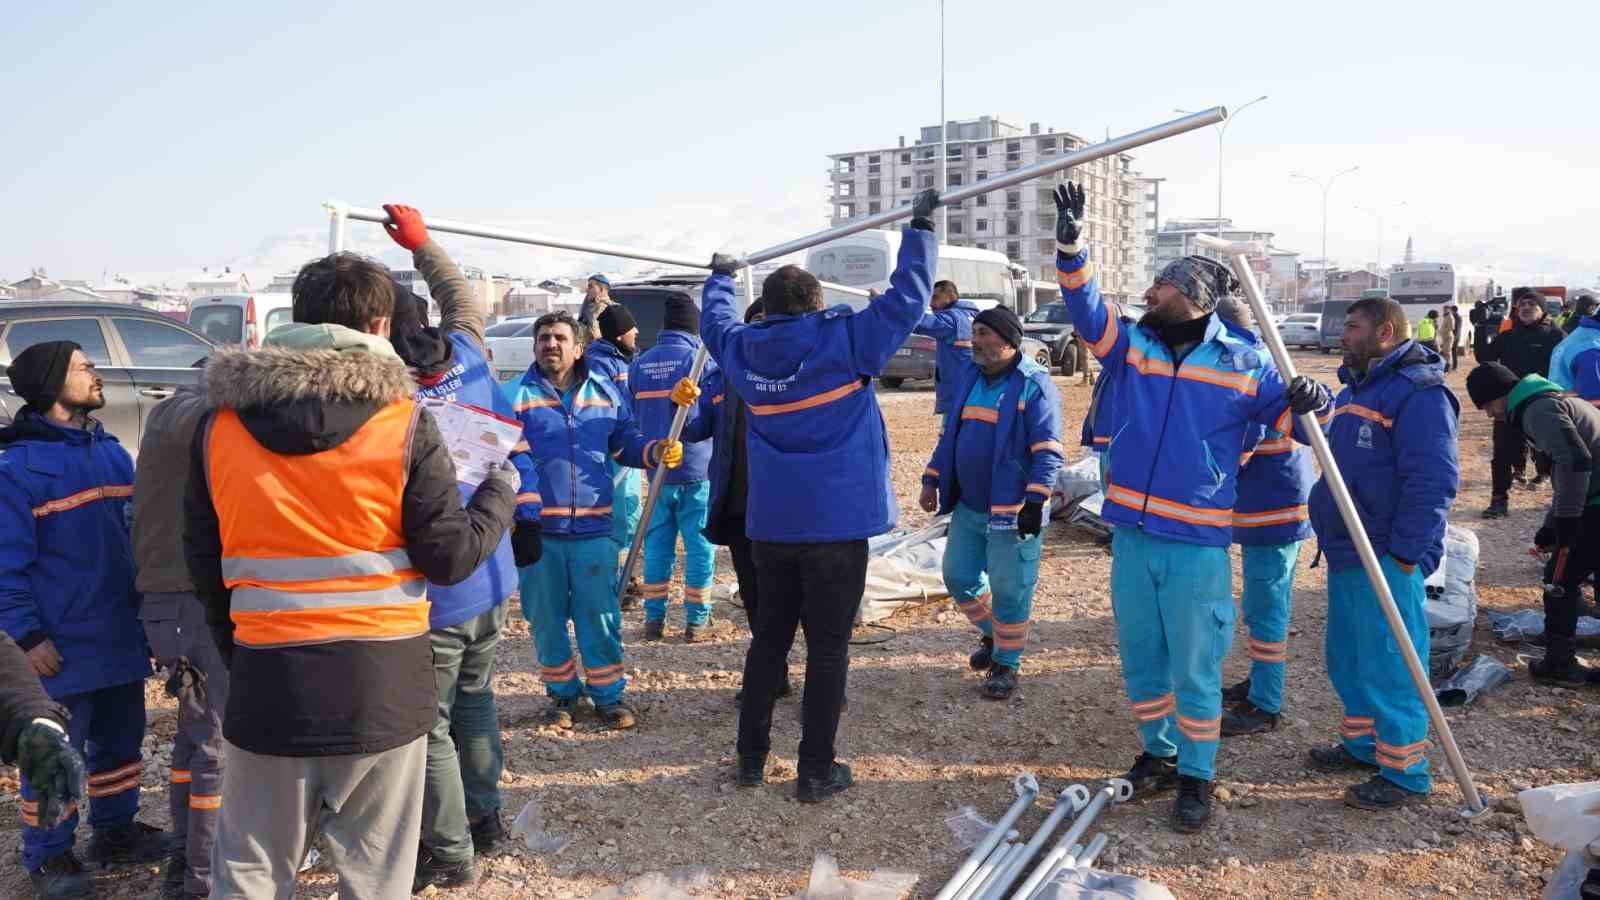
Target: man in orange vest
321,502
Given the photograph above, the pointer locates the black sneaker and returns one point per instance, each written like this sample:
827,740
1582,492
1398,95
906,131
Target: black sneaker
172,876
1152,773
1379,793
1247,718
1337,758
655,629
1236,693
61,878
487,833
1192,810
983,657
752,771
1498,508
559,713
1001,682
1563,673
432,871
133,842
816,790
617,716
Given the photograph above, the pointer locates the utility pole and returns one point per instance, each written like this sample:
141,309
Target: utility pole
944,178
1325,187
1222,131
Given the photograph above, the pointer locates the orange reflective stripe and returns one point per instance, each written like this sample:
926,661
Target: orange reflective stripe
1285,420
1365,412
1200,729
117,774
1159,708
1005,510
180,776
601,676
961,343
104,492
1043,446
981,414
586,402
205,801
113,788
772,409
1102,440
575,511
1284,516
1148,365
696,593
1239,381
1281,445
1010,637
652,395
536,403
1076,279
382,621
931,471
1038,489
555,674
531,497
1108,338
1169,509
976,609
520,447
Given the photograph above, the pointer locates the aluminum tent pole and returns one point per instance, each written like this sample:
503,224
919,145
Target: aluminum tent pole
1071,800
338,213
1027,788
1352,521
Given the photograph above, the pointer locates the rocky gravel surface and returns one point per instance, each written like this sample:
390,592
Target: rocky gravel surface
923,743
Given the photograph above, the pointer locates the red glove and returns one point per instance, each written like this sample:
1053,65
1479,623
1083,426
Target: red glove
407,228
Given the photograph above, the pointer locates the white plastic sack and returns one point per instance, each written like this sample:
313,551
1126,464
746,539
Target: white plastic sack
1093,884
827,884
904,569
1074,482
1451,603
529,826
1566,815
658,886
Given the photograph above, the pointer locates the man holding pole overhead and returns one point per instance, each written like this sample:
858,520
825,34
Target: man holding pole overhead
1188,390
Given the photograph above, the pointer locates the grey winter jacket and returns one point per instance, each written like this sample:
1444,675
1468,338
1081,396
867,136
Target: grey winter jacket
158,483
1568,430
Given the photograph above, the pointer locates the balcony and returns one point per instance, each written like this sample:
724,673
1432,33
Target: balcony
842,174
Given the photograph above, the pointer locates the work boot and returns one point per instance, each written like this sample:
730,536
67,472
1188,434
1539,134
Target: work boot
1152,773
632,595
131,842
1497,508
1560,665
1379,793
1337,758
61,878
1248,718
559,713
983,657
436,872
655,629
752,771
617,716
1192,810
172,875
1001,682
816,790
1236,693
487,833
697,634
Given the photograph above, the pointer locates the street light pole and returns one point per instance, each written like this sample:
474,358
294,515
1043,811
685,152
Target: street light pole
1325,186
1379,215
944,178
1222,131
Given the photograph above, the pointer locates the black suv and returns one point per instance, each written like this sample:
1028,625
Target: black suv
142,356
1051,324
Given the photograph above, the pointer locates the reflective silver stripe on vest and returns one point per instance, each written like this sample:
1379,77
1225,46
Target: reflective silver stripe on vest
257,599
314,568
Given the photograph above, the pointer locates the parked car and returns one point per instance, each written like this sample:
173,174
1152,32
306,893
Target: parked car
142,356
1333,324
511,340
1052,325
510,345
241,319
1301,330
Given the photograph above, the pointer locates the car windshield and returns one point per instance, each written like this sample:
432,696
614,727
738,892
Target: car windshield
1054,314
507,329
1304,319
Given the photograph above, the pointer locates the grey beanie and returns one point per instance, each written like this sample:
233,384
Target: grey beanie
1200,278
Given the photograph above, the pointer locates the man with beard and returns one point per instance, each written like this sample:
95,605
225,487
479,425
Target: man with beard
1187,392
1394,438
67,598
1525,349
610,357
948,321
596,298
993,471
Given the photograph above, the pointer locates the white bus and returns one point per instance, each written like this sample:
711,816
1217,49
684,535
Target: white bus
866,259
1422,287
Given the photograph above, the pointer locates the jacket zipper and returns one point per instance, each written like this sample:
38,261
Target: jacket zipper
1150,480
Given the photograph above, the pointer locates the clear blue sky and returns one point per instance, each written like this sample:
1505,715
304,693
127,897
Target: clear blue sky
145,138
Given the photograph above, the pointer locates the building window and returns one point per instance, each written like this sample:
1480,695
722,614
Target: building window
927,179
983,199
1014,249
905,159
1013,226
847,164
1047,245
954,178
847,210
905,183
982,174
952,151
874,187
982,151
983,245
1047,145
847,189
955,226
1013,201
982,225
874,207
1013,151
927,153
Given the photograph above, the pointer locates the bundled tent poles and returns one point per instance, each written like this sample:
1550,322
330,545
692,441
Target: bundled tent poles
995,863
1236,253
339,213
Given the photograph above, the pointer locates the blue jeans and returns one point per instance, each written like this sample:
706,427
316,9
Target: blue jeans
572,583
465,756
1384,719
1268,592
1174,608
680,511
991,575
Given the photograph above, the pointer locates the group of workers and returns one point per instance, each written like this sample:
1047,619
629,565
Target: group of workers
326,596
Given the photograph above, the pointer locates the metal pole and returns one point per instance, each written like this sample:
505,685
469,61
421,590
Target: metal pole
1116,789
944,179
1027,791
1071,799
985,887
337,213
1087,857
1358,532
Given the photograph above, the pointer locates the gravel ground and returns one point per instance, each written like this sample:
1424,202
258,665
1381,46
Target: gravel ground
923,743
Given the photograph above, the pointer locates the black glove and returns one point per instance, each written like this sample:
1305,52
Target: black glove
1069,212
1305,395
53,769
1567,530
1545,537
922,208
724,263
527,543
1031,518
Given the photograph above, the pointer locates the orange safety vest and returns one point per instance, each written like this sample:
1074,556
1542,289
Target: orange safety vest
312,545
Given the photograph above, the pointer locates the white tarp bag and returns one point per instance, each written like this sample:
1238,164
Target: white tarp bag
1566,815
1451,603
1074,482
1093,884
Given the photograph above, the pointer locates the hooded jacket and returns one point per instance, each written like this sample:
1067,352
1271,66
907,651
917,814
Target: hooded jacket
1177,426
818,451
609,361
1575,363
952,328
158,483
1525,349
66,559
1393,435
1565,428
311,390
651,378
1275,478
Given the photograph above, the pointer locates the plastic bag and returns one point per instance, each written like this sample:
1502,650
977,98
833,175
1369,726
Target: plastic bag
1570,878
1485,674
1073,483
827,884
530,827
967,828
1528,625
1451,602
658,886
1093,884
1567,815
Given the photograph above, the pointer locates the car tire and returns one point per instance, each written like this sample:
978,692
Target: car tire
1069,363
1042,357
891,383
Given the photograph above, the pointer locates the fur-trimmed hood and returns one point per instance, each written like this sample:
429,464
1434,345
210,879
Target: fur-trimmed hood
273,376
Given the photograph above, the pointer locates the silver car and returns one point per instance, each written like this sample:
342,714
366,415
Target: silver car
1301,330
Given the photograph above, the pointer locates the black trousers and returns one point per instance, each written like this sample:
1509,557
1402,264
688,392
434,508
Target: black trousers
744,569
817,586
1561,603
1511,454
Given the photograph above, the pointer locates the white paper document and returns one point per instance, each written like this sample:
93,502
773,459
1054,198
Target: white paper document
477,438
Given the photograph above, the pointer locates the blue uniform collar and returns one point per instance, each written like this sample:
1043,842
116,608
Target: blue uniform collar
681,338
1408,353
1589,322
31,425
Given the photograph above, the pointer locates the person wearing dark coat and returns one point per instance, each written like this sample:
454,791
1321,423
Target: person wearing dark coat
1525,349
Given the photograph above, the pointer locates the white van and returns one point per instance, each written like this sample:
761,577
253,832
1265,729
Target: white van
240,319
866,259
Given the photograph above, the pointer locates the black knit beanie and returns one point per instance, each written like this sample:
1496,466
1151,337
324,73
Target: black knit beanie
615,321
38,373
1003,322
1490,381
681,315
